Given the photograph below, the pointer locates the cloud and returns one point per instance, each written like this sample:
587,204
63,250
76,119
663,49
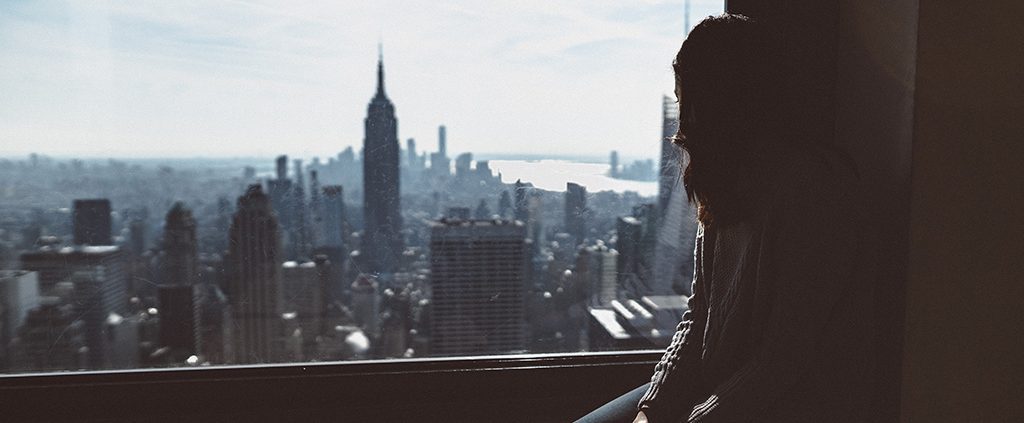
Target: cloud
261,77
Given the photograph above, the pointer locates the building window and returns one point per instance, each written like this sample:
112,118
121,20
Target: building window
229,184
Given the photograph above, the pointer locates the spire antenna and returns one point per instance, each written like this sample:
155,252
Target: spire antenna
380,69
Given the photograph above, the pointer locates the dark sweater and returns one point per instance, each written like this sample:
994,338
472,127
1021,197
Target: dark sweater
778,323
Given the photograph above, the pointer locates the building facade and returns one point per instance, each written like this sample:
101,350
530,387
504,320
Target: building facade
382,240
479,279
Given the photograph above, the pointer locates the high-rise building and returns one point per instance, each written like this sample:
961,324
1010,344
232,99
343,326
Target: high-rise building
316,211
100,291
482,211
522,202
576,211
214,340
180,248
366,304
668,180
300,245
614,165
52,338
91,220
479,278
56,265
333,210
635,242
253,273
305,294
179,328
19,293
462,164
410,147
382,240
281,191
597,268
180,272
505,205
677,224
442,141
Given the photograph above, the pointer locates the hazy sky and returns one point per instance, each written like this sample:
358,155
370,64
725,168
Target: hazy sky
188,78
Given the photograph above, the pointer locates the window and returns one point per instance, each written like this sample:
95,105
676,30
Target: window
231,183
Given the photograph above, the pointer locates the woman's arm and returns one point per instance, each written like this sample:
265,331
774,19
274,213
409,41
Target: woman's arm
675,385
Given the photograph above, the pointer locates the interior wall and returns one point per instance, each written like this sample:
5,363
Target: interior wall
875,68
963,348
853,81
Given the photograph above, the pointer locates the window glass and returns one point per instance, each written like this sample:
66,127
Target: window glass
212,182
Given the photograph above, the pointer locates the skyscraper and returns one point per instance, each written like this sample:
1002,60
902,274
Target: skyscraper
19,293
442,141
254,286
576,211
91,222
316,211
333,207
677,226
305,294
614,164
521,206
281,193
382,241
99,294
300,233
180,248
668,180
410,147
479,277
180,273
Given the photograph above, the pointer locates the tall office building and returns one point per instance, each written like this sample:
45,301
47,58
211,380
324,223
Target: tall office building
479,278
597,269
180,248
179,274
52,338
19,293
462,164
300,245
91,220
281,191
179,326
316,211
677,224
505,205
521,205
100,293
442,141
305,294
382,240
253,273
614,165
669,179
576,212
410,150
333,207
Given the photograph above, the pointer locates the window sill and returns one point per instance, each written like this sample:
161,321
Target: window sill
533,387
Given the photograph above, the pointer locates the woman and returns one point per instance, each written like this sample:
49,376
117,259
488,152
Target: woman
776,329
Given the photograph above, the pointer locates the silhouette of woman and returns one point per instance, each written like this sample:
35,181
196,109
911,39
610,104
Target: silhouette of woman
775,329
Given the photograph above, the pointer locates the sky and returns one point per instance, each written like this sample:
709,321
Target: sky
216,78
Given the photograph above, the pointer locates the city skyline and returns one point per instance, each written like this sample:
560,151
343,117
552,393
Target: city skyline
118,81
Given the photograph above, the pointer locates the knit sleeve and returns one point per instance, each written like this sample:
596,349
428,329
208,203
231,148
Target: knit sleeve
811,260
674,388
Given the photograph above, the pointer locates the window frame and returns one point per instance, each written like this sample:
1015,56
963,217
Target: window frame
554,386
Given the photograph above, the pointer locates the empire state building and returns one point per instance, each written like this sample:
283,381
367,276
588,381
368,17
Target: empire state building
382,241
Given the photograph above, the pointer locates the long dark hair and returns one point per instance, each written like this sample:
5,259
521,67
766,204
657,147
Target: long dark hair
728,83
